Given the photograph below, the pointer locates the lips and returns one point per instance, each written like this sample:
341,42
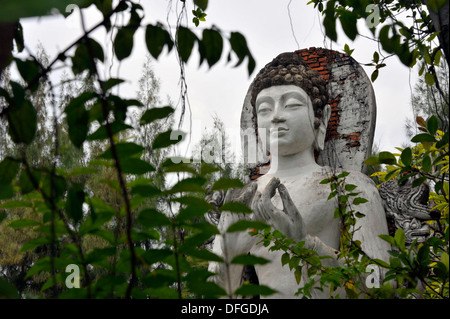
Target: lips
279,131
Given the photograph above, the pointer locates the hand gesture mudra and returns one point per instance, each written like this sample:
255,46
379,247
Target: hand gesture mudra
288,221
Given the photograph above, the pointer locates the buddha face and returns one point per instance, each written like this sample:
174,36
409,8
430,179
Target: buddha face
286,120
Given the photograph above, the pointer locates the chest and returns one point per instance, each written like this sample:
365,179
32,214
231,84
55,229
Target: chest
311,199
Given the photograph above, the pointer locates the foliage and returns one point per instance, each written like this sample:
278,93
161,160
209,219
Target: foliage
102,215
426,162
406,29
426,100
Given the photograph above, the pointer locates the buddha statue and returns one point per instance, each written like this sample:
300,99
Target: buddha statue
289,101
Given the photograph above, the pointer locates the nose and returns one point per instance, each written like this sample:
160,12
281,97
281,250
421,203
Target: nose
278,119
278,116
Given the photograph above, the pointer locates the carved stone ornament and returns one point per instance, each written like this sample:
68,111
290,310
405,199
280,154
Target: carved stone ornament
408,208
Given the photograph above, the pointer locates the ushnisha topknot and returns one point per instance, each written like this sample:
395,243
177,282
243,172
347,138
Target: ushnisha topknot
289,68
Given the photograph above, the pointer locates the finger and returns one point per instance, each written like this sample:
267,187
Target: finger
288,205
257,209
271,187
248,194
264,209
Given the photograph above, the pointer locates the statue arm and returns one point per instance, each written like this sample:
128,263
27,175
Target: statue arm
230,245
374,222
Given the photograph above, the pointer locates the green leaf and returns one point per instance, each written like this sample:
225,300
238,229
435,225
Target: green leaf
124,150
359,215
194,201
426,164
136,166
423,138
385,41
42,264
387,158
359,200
15,204
156,113
376,57
205,289
54,186
101,133
226,183
25,183
418,181
190,212
432,125
243,225
388,239
343,174
74,202
203,254
23,223
155,38
167,139
236,207
191,184
78,119
82,59
400,239
329,21
254,290
406,156
123,42
213,43
34,243
8,169
374,75
443,142
110,83
150,217
2,216
202,4
350,187
348,21
347,50
445,261
285,259
372,161
97,255
185,42
146,190
152,256
22,117
429,79
6,191
29,70
247,259
239,46
7,290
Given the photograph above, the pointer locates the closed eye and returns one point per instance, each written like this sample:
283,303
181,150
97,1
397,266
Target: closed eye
293,105
264,108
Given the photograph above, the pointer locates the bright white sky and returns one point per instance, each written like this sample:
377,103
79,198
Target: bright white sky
221,90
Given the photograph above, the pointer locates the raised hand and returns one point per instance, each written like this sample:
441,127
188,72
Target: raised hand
288,221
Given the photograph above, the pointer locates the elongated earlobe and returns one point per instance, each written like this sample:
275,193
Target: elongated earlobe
321,130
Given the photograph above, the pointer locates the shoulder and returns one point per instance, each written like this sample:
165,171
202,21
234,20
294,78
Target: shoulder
363,182
349,175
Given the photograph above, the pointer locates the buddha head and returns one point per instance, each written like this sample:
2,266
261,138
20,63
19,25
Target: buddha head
291,98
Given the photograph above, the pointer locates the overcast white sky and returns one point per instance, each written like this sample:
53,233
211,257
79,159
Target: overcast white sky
221,89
